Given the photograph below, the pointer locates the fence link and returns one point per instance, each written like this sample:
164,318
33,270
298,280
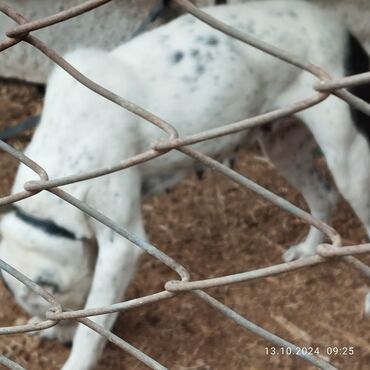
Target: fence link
324,87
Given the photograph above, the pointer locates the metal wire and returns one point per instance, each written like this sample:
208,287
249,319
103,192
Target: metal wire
324,87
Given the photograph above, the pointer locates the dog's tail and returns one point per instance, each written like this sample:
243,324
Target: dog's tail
358,61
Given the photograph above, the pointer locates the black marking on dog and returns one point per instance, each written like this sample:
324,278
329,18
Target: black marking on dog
177,57
212,40
47,226
194,53
357,61
44,282
200,69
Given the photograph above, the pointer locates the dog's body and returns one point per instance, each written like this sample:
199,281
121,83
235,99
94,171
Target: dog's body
196,78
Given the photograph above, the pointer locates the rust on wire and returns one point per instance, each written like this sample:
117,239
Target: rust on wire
326,253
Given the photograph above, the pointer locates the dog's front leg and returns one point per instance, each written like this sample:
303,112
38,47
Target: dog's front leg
114,269
292,149
116,262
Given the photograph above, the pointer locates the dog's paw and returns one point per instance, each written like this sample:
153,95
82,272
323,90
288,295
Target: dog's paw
299,251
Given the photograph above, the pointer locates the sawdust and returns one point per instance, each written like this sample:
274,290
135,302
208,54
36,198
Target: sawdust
213,227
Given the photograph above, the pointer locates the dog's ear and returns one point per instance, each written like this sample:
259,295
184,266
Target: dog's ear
6,209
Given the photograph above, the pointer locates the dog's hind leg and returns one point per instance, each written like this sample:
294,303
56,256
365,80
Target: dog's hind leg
291,148
347,152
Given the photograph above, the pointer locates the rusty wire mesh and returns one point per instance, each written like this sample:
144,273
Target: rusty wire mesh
324,87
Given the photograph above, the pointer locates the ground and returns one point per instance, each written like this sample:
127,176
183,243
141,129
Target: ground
213,227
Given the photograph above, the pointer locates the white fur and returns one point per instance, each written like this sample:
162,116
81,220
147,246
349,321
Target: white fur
196,78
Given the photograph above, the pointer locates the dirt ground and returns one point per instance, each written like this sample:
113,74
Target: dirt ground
213,227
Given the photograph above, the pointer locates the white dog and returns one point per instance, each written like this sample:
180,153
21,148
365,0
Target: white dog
196,78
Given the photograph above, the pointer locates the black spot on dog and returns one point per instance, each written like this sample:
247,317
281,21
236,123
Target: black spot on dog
209,40
357,61
212,41
177,57
195,53
47,283
200,69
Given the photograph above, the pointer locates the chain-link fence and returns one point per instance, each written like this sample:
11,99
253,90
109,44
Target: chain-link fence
324,87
